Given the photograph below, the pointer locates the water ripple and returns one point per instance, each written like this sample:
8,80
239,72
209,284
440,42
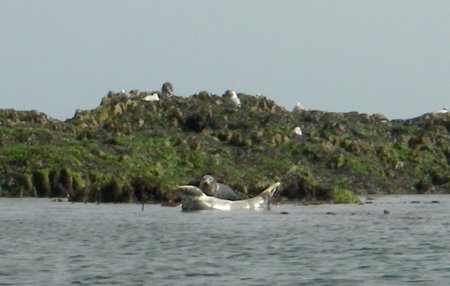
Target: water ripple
44,243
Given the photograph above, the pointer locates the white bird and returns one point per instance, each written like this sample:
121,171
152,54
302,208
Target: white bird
123,93
298,107
442,111
235,99
297,131
151,97
231,94
380,117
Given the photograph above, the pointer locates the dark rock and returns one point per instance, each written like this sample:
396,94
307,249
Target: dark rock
167,88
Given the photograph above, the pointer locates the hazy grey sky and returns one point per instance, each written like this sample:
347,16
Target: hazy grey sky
391,57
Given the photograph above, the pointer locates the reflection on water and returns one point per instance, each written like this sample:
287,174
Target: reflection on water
50,243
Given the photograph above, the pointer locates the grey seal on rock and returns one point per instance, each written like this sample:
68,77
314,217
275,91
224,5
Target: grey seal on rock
193,199
211,187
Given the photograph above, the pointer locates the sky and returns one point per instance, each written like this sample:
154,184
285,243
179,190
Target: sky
390,57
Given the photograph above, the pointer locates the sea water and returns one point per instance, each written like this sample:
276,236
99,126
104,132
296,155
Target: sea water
395,240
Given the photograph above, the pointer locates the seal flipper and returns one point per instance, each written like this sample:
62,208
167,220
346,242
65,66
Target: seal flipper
268,193
190,191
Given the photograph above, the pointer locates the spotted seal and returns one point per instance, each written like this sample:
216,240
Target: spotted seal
193,198
211,187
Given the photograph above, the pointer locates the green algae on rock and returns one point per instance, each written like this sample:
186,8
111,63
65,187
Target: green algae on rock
128,149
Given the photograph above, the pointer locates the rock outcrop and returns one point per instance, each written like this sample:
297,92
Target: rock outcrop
129,149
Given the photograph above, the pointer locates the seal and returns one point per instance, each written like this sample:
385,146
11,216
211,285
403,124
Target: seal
193,199
211,187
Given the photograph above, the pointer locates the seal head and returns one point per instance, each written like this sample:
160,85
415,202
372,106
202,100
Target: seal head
211,187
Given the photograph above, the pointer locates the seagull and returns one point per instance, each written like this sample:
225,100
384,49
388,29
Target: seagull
231,94
235,99
380,117
297,131
298,107
151,97
442,111
123,93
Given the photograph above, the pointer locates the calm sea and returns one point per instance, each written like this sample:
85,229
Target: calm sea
51,243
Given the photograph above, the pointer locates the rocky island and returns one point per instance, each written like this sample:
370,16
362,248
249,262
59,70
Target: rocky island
138,146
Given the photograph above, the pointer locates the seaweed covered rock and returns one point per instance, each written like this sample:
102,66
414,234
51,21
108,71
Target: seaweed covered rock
13,117
132,149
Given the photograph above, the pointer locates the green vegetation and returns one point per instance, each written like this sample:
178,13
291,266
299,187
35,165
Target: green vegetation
130,150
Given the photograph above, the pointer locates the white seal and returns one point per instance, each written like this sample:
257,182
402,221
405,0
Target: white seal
194,199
